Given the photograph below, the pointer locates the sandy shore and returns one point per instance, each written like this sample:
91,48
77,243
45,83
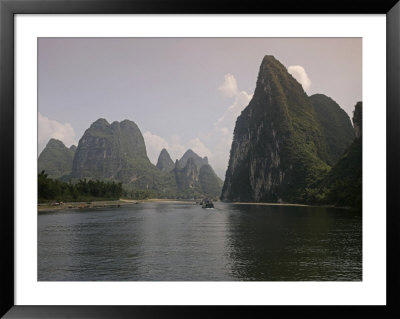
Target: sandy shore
75,205
104,204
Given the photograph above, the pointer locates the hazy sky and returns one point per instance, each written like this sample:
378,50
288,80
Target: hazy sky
181,92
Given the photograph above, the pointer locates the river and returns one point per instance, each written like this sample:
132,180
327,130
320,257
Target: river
183,242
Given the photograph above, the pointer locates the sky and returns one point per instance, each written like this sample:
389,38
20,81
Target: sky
181,92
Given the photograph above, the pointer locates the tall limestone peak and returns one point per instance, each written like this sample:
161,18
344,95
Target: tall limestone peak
336,126
114,151
188,177
197,159
195,177
55,143
56,159
278,146
164,162
101,122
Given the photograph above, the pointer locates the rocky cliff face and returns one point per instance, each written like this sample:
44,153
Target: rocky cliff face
336,126
164,162
188,176
278,147
56,159
196,158
195,177
111,151
73,148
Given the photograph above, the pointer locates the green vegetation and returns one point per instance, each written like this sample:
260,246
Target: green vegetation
196,179
342,185
56,159
52,189
111,151
155,183
164,162
211,184
338,133
139,194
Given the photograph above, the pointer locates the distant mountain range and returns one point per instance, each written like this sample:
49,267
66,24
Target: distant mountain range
117,152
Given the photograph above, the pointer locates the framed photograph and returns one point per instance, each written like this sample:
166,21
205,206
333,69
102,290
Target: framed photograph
167,158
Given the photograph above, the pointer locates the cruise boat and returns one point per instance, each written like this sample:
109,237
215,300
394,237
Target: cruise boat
207,203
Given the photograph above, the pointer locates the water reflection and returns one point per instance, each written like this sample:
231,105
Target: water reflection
279,243
183,242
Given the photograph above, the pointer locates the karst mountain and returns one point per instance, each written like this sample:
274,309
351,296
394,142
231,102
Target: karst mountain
283,140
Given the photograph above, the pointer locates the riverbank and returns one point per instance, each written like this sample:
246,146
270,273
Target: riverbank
79,205
123,202
158,200
267,204
106,203
288,204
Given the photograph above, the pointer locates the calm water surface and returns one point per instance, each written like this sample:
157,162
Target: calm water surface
183,242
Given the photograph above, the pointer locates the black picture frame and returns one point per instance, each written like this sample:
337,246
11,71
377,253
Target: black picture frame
8,8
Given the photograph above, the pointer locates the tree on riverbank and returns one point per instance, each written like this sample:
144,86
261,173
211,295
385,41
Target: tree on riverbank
52,189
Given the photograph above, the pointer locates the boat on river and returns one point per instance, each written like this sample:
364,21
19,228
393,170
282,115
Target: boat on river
207,203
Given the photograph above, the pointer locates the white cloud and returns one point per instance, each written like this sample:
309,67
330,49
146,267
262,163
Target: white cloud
176,147
298,72
154,145
199,148
220,152
48,129
228,119
222,133
229,87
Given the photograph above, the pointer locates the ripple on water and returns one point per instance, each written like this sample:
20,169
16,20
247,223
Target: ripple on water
180,242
